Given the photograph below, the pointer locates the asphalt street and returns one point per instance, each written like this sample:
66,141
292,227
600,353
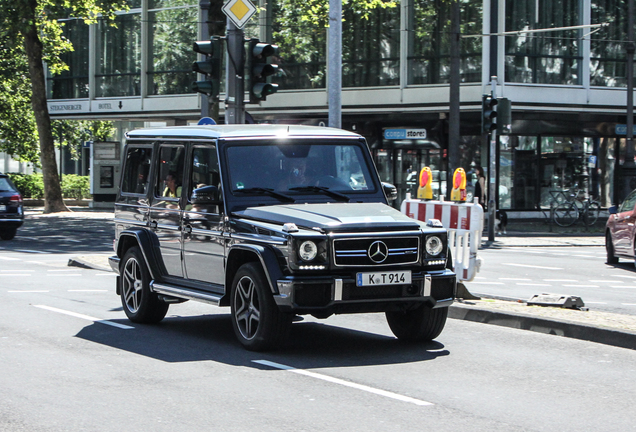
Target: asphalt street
71,360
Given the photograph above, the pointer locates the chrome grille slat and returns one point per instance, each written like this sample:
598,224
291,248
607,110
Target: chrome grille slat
353,252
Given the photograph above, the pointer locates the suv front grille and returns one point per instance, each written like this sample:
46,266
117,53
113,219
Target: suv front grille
355,252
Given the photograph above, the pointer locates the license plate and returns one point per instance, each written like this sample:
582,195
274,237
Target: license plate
384,278
3,207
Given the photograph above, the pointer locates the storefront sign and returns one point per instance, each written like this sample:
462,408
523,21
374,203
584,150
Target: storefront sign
621,129
398,134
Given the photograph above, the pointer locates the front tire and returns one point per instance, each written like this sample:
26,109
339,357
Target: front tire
609,248
258,323
421,324
140,304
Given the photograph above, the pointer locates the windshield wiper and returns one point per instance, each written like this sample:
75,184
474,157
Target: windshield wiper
266,191
324,190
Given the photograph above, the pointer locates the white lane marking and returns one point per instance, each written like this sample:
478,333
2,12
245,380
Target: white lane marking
623,287
532,266
589,302
344,383
488,283
605,281
628,304
9,258
85,317
532,284
60,270
584,256
105,274
87,290
514,279
625,276
32,291
31,251
65,274
560,280
15,274
581,286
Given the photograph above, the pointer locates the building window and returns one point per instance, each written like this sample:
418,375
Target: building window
371,47
518,172
429,41
118,69
302,44
547,57
72,83
607,56
173,28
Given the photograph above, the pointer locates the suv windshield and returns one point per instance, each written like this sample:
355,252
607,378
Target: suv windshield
317,168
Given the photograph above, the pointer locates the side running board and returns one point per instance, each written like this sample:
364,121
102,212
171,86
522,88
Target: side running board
185,293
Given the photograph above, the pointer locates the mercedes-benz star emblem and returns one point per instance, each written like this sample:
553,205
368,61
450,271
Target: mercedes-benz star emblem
378,252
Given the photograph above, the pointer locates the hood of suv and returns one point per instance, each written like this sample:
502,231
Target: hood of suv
333,217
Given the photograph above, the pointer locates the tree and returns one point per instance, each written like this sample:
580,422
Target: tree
31,35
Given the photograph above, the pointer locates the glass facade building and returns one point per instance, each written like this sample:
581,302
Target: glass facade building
567,87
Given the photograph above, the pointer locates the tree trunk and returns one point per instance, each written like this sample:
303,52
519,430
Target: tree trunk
53,201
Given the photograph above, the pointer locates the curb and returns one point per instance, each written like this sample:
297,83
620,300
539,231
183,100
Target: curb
89,262
617,338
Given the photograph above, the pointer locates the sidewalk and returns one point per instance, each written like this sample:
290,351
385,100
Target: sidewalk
601,327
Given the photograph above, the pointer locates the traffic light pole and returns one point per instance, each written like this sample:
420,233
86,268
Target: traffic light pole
492,171
235,71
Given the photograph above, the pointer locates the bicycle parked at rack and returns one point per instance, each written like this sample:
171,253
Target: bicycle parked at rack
569,206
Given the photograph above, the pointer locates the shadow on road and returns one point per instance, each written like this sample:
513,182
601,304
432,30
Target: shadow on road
64,235
211,338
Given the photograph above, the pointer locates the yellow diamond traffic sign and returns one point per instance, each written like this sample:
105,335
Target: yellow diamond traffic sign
239,11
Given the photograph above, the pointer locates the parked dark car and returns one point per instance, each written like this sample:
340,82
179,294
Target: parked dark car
274,221
620,230
11,212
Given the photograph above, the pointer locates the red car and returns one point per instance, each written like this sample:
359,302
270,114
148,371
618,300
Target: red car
620,230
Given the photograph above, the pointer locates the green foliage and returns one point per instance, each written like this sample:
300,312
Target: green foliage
18,131
75,186
29,185
71,134
32,185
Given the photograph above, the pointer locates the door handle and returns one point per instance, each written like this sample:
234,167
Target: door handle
153,224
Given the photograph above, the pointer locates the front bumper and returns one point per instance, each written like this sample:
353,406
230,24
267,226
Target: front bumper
341,295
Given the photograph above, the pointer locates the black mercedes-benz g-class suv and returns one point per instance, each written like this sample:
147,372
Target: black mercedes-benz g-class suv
274,221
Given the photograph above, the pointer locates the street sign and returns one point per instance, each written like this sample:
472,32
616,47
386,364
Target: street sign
398,134
239,11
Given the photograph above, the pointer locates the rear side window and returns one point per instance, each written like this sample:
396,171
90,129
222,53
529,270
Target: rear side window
137,170
6,185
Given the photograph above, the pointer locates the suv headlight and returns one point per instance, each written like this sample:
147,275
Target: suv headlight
308,250
434,245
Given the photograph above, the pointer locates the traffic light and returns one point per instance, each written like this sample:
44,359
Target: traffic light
259,69
488,114
210,67
504,116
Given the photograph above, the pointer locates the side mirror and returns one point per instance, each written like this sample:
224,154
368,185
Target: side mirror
206,195
390,191
612,210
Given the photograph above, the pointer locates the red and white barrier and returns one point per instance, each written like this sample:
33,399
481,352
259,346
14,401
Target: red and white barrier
464,222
